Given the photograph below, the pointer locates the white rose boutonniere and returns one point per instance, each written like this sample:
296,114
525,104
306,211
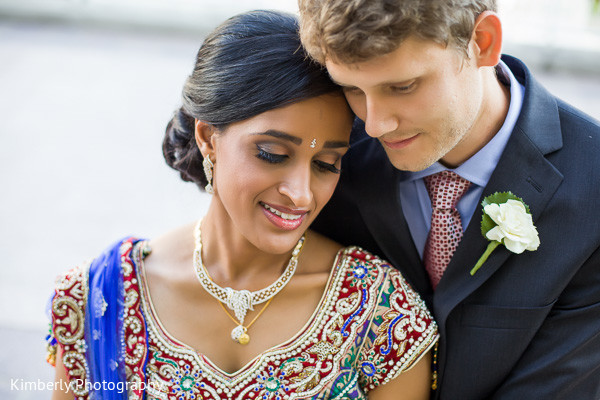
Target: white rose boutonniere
507,220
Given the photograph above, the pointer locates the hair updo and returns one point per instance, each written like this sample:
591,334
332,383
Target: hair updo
252,63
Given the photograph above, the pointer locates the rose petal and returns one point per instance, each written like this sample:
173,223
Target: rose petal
534,242
516,204
514,226
514,246
495,234
493,210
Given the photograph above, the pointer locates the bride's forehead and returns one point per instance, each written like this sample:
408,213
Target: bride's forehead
324,117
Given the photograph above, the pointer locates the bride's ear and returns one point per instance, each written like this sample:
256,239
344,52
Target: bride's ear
204,133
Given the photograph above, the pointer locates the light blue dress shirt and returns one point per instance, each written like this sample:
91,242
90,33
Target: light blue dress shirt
478,169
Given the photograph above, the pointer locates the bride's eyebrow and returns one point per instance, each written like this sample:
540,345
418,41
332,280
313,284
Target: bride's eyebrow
280,135
330,144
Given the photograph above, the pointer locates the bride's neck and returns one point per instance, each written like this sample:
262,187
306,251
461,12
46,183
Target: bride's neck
231,260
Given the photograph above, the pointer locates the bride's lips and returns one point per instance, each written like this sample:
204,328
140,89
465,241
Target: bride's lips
399,144
283,217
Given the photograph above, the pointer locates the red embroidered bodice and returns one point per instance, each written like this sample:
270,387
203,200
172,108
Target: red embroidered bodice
369,327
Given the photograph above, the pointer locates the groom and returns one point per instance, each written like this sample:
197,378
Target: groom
444,122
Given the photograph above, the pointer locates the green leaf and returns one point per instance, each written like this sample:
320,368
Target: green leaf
502,197
487,224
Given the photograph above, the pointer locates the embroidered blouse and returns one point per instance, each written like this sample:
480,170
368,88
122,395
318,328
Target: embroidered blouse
369,327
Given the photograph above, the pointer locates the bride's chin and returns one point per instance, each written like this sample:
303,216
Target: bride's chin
278,243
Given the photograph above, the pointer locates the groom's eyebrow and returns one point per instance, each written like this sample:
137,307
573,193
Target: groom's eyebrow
281,135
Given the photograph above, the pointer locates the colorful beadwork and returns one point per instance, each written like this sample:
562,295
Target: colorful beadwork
369,328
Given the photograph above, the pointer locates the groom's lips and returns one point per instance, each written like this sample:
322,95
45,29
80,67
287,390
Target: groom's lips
399,144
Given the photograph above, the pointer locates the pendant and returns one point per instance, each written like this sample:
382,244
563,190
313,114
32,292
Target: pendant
238,334
240,301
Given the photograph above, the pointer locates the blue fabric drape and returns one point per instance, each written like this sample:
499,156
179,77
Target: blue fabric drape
104,330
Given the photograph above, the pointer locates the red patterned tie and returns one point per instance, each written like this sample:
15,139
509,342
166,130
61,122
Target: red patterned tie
445,189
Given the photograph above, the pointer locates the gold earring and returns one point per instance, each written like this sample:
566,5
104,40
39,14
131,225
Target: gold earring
208,171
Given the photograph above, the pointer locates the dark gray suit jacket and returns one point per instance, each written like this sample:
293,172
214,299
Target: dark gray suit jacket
525,326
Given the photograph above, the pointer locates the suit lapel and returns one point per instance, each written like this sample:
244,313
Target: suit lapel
523,170
382,213
528,176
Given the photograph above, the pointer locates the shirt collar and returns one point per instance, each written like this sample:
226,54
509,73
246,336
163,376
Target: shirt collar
479,168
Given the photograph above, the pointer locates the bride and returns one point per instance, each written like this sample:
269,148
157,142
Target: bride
248,302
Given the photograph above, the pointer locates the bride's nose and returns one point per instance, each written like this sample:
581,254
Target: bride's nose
296,186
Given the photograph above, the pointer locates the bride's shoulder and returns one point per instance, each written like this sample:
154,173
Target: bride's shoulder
170,251
358,255
117,250
173,241
365,264
325,248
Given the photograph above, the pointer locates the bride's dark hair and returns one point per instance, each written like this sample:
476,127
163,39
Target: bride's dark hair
252,63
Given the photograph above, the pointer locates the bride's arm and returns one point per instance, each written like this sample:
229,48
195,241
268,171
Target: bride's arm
414,384
61,380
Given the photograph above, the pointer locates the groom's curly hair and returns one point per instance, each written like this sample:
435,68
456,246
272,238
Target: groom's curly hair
350,31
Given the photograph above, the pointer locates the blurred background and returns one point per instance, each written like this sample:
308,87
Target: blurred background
86,89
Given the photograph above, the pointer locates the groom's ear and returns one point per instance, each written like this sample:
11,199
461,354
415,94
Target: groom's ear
204,134
486,40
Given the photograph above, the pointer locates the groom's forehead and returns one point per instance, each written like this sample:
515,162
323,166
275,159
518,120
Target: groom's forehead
413,58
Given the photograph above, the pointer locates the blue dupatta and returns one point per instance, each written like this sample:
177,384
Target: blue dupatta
104,329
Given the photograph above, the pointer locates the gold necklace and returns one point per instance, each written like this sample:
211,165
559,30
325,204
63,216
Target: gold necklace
240,332
241,301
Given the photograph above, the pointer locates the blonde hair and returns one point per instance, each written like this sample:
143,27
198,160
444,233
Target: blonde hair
350,31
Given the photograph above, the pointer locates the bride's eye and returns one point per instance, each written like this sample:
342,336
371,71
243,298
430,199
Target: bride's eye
270,157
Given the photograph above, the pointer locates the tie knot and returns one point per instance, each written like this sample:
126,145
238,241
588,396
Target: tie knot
445,189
